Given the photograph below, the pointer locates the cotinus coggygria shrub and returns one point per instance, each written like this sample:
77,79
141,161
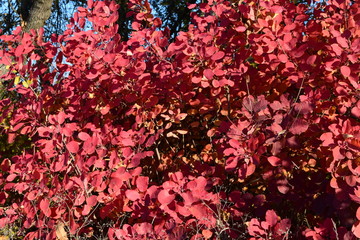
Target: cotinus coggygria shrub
246,126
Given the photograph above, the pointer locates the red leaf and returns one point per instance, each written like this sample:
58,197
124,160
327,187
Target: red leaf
283,227
44,131
274,161
215,83
142,183
110,57
262,23
188,69
327,139
61,117
271,217
342,42
356,229
121,62
299,126
201,183
231,163
195,80
200,211
11,177
282,186
92,74
92,200
135,161
248,103
79,200
18,126
311,59
99,54
115,183
337,154
83,136
89,147
207,233
44,207
189,199
11,137
277,9
255,228
283,58
345,71
260,105
303,107
73,146
204,84
337,49
355,111
86,210
32,195
66,131
183,210
208,73
217,56
240,29
177,177
19,50
143,228
132,195
73,225
90,3
104,110
165,197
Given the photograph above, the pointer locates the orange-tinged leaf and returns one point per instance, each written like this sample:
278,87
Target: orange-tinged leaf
207,233
353,143
356,229
171,134
182,132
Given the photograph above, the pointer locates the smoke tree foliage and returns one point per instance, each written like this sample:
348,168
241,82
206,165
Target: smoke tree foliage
246,126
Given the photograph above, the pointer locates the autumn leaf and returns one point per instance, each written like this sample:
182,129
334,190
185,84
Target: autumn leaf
60,231
73,146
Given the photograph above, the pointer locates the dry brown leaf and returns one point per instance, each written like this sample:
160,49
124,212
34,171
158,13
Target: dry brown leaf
60,231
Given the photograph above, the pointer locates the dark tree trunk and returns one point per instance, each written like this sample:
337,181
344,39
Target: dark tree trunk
123,21
35,13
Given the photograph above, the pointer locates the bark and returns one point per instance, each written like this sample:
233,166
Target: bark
35,13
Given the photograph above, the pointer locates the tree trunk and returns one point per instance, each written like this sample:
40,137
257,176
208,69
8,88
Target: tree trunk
35,13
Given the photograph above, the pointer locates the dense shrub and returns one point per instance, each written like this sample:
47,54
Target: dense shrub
245,127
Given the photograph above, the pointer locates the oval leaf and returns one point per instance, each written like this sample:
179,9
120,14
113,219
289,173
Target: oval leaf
73,146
